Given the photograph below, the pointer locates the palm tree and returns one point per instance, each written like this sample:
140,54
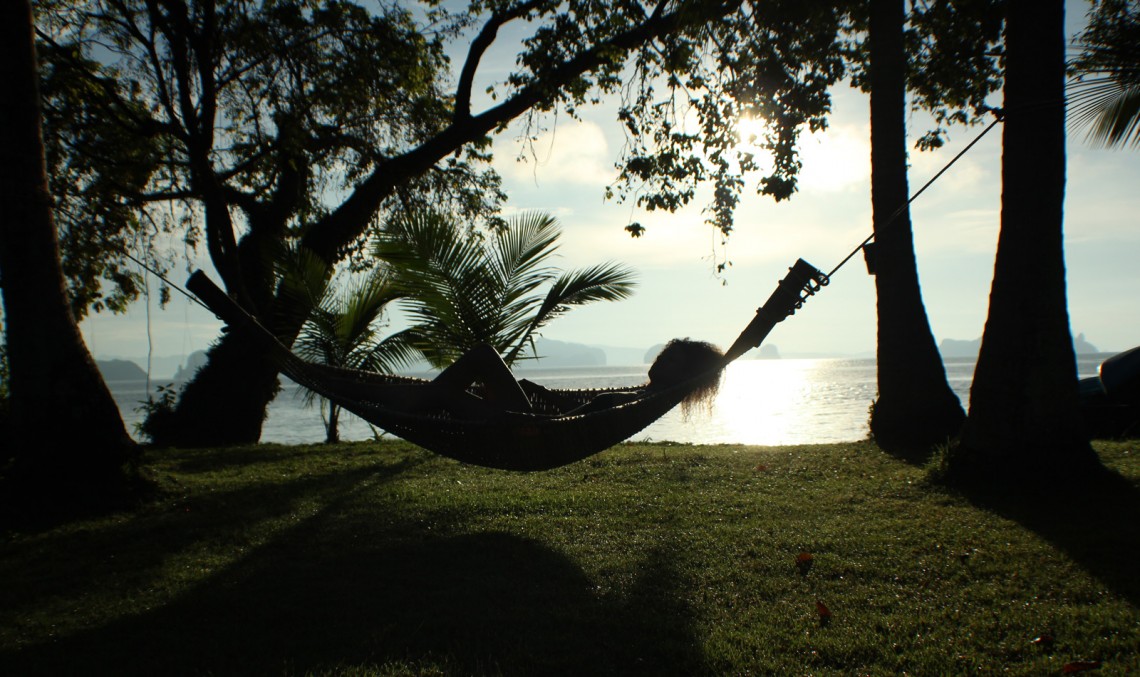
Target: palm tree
465,288
1105,93
343,330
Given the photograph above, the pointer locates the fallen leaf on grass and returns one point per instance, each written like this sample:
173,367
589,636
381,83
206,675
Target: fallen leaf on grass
824,613
1045,641
804,560
1080,666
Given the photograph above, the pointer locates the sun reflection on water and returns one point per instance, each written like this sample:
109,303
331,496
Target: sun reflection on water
772,402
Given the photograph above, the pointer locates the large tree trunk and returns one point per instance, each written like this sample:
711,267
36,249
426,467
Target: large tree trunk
1024,418
64,427
916,408
225,403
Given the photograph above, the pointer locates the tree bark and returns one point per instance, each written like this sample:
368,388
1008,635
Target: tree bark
915,409
1024,418
65,427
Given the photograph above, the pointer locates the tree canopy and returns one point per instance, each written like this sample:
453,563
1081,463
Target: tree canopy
239,123
257,124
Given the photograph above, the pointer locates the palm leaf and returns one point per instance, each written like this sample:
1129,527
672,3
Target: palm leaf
520,252
1104,96
303,279
462,289
1107,109
453,295
392,354
602,282
342,330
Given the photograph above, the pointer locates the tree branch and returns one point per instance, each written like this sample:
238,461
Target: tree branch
478,48
329,236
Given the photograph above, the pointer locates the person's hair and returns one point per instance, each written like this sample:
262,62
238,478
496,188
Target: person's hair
700,359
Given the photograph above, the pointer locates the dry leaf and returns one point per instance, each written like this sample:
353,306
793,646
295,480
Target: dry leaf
1045,640
1079,666
804,561
824,613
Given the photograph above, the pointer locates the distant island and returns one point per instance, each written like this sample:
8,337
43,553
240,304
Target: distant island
193,363
552,354
120,370
960,348
557,354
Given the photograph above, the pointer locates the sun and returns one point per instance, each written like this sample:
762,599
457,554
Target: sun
833,160
751,132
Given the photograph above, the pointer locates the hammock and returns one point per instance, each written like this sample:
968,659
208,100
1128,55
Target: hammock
539,440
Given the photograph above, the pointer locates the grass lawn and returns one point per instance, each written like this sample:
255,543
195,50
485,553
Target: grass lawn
378,558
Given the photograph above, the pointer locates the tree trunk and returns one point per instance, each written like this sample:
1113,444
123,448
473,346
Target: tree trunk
65,428
332,431
1024,416
916,408
224,403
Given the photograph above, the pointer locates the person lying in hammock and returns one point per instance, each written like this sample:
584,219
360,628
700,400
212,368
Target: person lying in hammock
679,361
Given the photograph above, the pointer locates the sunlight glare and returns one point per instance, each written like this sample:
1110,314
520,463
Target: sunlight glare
750,130
770,402
758,401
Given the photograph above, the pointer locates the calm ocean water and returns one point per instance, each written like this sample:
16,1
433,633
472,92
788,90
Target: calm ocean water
765,402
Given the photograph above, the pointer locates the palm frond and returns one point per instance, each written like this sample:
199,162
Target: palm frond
303,278
602,282
521,250
1118,124
462,289
392,354
1104,95
343,329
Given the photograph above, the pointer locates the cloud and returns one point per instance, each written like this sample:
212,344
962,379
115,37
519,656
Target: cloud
835,160
574,152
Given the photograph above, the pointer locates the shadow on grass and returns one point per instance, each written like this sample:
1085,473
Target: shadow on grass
140,547
1095,521
344,589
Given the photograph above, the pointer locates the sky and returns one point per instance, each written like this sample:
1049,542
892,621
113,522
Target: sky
679,292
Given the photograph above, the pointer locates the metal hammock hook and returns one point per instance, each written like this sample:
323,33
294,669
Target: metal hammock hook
814,283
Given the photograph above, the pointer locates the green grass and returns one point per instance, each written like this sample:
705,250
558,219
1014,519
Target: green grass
379,558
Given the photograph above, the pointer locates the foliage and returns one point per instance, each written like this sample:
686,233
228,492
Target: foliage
96,165
380,559
175,116
263,109
344,331
954,51
303,100
464,288
157,410
771,62
1105,94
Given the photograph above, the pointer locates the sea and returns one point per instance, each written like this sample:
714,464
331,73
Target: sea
761,402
